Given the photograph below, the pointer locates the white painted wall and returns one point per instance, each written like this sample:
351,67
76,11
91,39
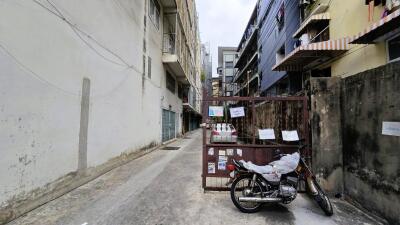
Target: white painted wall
42,64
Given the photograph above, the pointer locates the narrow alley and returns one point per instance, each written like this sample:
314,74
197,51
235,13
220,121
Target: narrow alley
164,187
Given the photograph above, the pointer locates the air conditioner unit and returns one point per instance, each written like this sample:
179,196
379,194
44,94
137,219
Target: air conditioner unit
305,2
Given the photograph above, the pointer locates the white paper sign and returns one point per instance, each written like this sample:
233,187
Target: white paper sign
211,167
229,151
290,135
221,152
222,158
211,151
221,165
266,134
239,152
391,128
237,112
216,111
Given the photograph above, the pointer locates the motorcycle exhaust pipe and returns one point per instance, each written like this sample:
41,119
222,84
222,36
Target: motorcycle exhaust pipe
262,200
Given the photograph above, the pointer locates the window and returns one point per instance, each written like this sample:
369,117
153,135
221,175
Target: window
180,91
170,82
229,72
149,67
393,49
154,12
228,64
280,17
280,54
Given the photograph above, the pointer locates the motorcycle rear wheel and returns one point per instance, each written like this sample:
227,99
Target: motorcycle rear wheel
241,186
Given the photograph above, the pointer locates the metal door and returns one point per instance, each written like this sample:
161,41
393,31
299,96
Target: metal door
168,125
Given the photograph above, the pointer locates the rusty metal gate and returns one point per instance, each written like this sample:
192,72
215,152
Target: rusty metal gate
246,118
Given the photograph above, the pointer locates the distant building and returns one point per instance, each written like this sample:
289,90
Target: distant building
227,58
206,65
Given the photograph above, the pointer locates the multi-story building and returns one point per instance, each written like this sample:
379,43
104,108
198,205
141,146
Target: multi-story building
347,56
247,77
329,35
278,20
86,82
227,58
181,54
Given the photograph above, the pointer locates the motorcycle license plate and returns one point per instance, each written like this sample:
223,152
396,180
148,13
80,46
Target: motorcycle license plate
232,174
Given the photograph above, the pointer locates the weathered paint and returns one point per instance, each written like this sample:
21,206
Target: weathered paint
84,122
372,160
327,158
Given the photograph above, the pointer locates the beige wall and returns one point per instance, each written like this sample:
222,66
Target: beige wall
348,19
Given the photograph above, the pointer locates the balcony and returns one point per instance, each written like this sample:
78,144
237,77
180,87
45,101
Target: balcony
248,87
239,73
247,44
172,50
309,56
190,99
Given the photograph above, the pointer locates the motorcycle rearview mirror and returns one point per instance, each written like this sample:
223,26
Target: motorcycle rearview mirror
277,153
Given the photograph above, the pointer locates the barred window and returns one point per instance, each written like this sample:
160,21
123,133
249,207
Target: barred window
154,12
170,82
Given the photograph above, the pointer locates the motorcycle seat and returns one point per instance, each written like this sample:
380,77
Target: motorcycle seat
257,169
286,164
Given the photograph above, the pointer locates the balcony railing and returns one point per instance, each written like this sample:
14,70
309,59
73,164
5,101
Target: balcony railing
169,43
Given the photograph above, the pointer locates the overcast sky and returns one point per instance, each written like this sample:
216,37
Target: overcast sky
222,23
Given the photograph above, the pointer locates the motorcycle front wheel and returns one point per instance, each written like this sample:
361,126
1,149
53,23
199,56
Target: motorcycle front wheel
241,187
323,201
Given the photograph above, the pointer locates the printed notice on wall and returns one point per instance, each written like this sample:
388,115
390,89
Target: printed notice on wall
211,167
211,151
229,152
266,134
290,135
239,152
216,111
221,165
391,128
237,112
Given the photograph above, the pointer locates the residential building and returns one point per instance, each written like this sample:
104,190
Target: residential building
348,60
278,20
247,77
227,58
86,84
328,48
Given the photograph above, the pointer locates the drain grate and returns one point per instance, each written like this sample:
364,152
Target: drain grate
187,138
170,148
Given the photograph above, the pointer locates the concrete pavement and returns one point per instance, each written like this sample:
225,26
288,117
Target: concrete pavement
164,187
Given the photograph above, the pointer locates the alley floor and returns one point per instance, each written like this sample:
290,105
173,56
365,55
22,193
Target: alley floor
164,188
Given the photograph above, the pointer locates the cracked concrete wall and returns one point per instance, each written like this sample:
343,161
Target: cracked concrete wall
327,158
43,60
372,160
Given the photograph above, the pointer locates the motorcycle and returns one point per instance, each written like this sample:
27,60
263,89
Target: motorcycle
277,182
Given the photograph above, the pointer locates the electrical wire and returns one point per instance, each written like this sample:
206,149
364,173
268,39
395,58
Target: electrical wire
77,29
79,32
35,75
